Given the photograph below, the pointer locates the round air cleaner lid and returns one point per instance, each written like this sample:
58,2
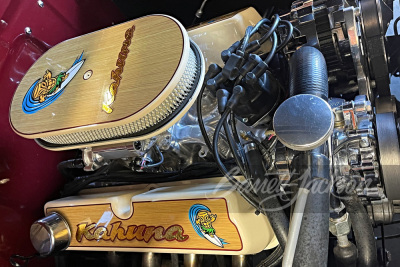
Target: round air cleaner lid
131,80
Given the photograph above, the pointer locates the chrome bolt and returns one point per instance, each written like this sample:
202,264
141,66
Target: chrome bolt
28,31
340,226
40,3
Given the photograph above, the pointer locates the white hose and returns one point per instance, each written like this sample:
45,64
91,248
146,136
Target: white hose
294,227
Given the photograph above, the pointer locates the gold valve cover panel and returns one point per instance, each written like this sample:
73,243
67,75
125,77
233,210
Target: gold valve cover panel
171,224
103,79
203,218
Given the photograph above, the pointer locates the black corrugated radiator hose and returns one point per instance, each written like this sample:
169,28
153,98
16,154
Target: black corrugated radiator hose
309,75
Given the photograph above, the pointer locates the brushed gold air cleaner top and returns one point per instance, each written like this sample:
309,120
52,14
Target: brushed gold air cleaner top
123,83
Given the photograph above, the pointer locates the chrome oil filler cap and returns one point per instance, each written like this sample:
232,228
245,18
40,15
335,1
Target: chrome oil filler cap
303,122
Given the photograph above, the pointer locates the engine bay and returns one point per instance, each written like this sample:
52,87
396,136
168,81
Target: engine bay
245,140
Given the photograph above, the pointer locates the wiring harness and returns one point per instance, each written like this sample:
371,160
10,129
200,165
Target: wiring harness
243,87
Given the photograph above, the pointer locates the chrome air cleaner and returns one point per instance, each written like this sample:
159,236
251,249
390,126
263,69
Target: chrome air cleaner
124,83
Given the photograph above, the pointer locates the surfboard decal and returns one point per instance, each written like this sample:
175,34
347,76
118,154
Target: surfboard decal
201,218
47,89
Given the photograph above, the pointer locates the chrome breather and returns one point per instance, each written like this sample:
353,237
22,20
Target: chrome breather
50,234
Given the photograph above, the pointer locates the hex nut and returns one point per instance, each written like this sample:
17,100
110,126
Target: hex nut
340,226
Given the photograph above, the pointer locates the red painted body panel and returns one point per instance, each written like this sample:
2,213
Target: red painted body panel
32,170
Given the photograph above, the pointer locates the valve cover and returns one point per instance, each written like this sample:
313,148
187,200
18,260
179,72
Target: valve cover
173,218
